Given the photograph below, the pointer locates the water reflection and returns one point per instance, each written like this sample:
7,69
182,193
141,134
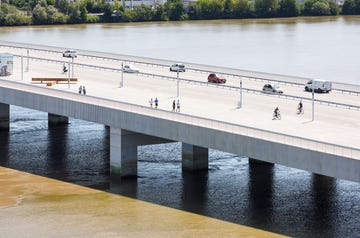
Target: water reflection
324,206
261,177
57,145
126,187
194,191
4,147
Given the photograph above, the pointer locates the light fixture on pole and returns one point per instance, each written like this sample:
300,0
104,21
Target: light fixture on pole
69,75
122,75
240,99
22,65
27,60
178,82
313,103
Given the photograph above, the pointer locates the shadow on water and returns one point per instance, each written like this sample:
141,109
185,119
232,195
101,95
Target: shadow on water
260,207
56,161
324,206
194,191
4,147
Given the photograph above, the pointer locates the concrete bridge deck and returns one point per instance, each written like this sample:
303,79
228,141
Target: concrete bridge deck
335,130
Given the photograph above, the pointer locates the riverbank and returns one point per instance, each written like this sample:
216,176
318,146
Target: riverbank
35,206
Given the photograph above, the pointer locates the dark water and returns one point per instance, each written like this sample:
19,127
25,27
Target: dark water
273,198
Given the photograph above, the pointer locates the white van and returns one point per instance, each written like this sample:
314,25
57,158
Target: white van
319,86
70,53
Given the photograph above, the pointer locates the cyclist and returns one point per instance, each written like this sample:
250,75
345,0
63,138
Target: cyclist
300,107
65,68
277,113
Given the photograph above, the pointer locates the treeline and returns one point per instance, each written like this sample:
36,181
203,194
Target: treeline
38,12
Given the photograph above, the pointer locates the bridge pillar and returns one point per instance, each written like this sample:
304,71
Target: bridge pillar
54,120
255,161
123,153
194,157
4,116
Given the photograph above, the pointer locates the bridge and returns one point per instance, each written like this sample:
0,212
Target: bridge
326,142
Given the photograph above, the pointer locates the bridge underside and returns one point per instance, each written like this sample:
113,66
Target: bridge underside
123,152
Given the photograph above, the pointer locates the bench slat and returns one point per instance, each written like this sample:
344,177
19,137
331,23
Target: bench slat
54,79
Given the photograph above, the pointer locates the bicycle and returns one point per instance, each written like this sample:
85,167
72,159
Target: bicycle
299,111
277,116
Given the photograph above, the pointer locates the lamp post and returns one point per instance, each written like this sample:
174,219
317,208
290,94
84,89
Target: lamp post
122,75
240,99
313,103
72,68
22,66
27,59
178,83
69,75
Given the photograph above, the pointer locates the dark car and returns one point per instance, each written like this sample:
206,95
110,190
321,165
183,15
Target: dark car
272,88
213,78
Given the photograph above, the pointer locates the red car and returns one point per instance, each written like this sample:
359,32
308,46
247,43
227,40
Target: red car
213,78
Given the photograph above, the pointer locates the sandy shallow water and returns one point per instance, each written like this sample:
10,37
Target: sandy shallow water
34,206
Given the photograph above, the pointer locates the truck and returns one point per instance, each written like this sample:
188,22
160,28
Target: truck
319,86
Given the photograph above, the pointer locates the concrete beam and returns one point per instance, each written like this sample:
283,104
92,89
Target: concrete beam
194,157
4,116
55,120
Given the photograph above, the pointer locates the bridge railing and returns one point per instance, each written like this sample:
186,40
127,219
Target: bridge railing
276,137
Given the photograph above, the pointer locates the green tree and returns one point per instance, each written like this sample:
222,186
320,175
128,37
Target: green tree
317,8
348,7
39,15
174,9
266,8
288,8
160,13
243,9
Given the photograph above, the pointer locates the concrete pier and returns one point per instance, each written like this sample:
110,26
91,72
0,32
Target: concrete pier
4,116
123,150
54,120
194,157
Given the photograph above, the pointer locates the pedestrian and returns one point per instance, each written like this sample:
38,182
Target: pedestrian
156,102
178,106
80,89
84,90
173,106
151,102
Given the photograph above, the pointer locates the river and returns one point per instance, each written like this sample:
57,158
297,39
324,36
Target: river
314,47
273,198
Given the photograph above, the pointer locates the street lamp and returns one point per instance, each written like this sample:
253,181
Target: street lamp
240,99
178,83
313,103
122,75
69,75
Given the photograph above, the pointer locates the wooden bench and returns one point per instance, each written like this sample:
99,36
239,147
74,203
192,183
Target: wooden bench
50,83
53,81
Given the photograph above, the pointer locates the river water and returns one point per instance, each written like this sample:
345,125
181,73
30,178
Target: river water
273,198
322,47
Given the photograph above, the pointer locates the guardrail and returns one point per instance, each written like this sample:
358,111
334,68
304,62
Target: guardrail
272,136
323,102
132,59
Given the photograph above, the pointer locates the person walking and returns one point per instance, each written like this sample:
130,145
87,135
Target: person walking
84,90
151,102
156,102
173,106
178,106
80,89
